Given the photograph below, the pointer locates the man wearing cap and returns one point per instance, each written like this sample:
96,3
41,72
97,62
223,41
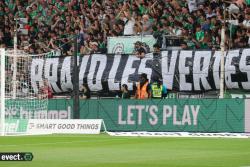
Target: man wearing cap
139,50
143,88
136,47
157,49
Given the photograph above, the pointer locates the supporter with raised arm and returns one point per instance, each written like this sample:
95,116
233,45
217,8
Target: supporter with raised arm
129,23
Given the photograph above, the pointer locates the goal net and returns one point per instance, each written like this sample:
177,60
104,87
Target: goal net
19,101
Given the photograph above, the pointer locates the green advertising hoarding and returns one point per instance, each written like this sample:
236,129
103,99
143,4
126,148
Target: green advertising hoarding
196,115
190,115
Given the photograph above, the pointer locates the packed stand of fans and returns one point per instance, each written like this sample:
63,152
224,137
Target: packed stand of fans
53,23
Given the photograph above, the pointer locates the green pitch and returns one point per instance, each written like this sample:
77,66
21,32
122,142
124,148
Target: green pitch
105,151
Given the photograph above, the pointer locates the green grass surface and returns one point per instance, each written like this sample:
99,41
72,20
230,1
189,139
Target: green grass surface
106,151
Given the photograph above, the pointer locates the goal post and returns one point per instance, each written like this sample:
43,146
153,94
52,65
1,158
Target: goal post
19,100
2,93
24,100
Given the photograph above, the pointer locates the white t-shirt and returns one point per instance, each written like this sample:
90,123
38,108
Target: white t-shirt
129,26
177,31
246,23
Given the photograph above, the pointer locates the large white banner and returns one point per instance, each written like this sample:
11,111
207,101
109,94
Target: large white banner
64,126
182,71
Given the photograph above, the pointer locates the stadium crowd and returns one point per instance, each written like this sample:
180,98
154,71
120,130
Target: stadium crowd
53,23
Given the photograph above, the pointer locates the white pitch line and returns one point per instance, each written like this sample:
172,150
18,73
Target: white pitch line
70,142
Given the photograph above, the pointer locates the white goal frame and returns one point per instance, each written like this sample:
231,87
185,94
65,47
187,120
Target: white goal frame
2,89
25,100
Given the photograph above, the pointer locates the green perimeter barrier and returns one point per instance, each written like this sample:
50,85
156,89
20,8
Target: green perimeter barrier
192,115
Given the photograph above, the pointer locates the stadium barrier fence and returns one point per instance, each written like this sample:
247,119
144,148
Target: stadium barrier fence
166,115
